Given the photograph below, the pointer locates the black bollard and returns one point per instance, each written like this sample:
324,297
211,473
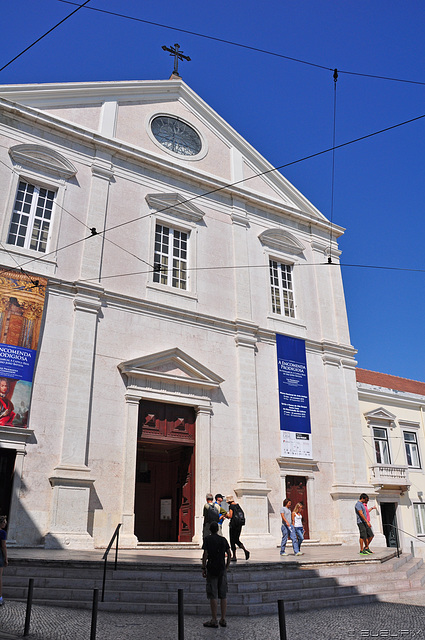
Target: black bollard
180,613
282,623
94,614
29,605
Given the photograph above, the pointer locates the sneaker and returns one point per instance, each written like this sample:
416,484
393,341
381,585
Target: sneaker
1,600
222,623
283,554
364,553
368,550
211,623
300,553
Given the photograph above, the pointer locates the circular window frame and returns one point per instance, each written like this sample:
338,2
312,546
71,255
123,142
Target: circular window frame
204,145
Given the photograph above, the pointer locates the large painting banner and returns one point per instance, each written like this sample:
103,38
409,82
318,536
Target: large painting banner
21,312
294,409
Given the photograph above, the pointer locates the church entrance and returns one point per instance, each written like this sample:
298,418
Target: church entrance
7,468
165,478
296,491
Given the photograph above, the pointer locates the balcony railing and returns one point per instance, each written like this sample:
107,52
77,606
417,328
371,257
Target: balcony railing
390,475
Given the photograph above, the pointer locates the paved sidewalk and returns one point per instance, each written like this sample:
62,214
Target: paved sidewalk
406,621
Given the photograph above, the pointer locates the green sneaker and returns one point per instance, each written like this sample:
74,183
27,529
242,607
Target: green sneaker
364,553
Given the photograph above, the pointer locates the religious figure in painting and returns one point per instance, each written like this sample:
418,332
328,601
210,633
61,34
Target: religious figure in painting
7,413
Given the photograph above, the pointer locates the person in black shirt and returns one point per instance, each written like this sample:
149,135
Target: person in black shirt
214,568
235,527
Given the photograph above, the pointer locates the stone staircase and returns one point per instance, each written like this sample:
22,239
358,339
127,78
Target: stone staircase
254,588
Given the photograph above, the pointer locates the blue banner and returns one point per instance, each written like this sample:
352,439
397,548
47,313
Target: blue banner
17,362
294,406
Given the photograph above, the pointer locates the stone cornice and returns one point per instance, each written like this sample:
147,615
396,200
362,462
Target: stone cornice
244,328
383,395
88,137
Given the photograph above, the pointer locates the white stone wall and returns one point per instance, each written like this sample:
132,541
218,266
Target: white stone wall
78,475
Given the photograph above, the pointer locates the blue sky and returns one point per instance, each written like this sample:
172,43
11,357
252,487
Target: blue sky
285,110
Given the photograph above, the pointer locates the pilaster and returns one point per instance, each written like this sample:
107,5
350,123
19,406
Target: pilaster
71,480
250,486
202,465
102,176
127,537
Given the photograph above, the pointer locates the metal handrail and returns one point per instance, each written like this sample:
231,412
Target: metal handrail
105,557
397,529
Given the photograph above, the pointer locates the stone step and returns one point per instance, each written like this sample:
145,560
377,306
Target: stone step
253,588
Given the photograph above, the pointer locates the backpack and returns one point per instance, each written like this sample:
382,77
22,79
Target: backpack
238,517
212,514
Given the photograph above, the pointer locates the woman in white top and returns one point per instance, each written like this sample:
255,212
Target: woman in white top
297,522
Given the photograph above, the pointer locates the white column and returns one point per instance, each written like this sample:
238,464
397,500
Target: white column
102,175
127,537
71,479
202,465
14,528
250,488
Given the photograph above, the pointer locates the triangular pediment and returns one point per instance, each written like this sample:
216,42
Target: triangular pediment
175,204
42,159
172,365
380,415
281,241
225,155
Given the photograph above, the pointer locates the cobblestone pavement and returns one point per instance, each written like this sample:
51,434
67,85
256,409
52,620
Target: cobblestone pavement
379,620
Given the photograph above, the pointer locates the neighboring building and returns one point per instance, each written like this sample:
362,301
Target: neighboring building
392,411
157,378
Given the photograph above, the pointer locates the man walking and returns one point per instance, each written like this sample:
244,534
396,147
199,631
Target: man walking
211,514
366,533
288,530
214,569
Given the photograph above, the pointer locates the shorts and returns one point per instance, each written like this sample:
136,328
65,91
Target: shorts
217,586
1,559
365,531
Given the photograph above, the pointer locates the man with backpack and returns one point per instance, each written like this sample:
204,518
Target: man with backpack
237,521
214,569
211,514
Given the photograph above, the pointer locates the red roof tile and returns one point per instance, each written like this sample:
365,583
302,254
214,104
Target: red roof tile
390,382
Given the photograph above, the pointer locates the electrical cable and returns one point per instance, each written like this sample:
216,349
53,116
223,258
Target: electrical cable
243,46
226,186
264,266
44,35
335,78
263,173
72,216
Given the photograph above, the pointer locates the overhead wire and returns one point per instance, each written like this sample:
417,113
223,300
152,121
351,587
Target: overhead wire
244,46
229,185
44,35
335,78
62,208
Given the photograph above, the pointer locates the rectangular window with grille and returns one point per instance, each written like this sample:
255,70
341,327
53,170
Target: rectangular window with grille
170,257
282,289
31,217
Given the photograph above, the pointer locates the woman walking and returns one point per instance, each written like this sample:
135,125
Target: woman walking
297,523
237,521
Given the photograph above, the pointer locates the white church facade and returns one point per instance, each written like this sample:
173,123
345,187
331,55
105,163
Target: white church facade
171,267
